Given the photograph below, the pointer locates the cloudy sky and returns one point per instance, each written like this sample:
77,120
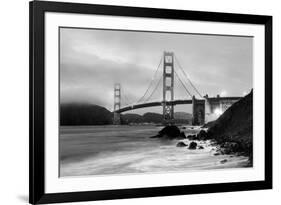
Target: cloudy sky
91,61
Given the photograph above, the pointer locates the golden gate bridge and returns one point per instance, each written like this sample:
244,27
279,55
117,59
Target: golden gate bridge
201,105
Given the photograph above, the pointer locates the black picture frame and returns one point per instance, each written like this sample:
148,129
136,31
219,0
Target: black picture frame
37,194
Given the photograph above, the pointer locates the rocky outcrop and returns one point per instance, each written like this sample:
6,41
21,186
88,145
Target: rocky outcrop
233,130
192,137
202,135
208,124
181,144
200,147
170,132
223,161
192,145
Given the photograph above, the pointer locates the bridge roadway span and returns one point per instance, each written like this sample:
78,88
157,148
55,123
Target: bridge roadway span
174,102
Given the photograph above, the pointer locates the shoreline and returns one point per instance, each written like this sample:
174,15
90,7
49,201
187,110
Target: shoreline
222,147
130,151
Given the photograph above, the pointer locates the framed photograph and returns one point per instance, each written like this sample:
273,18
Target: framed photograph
130,102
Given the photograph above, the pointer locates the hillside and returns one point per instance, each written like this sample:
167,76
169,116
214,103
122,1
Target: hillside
183,116
87,114
236,125
131,118
84,114
150,117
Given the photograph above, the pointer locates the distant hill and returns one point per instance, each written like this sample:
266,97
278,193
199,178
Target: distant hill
236,125
183,116
148,117
152,117
131,118
88,114
84,114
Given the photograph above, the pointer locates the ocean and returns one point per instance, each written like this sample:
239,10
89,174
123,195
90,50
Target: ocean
115,150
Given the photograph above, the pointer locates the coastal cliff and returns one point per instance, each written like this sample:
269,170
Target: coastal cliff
233,130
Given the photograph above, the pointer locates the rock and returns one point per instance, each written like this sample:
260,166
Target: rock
170,132
156,136
234,146
182,135
181,144
208,124
192,145
230,147
191,137
200,147
223,161
213,143
217,153
225,151
202,135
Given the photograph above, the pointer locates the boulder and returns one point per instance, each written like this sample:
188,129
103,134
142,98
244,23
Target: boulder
202,135
230,147
181,144
223,161
182,135
192,145
226,151
170,132
234,146
200,147
191,137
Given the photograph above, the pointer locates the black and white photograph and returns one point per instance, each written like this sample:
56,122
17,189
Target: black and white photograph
134,102
145,102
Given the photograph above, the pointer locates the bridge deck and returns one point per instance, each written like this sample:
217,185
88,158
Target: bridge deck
223,98
175,102
153,104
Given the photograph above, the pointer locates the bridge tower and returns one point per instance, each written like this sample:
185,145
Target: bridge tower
168,87
198,109
117,104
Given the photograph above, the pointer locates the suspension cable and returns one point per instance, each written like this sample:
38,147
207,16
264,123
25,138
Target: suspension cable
125,100
158,83
183,84
150,84
177,61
